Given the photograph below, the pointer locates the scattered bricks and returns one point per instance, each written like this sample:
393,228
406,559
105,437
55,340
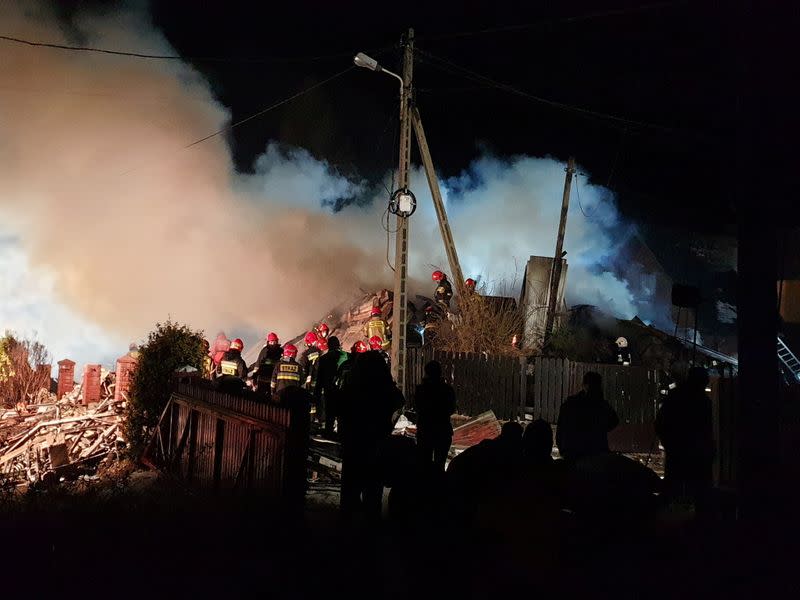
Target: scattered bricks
66,377
125,368
91,384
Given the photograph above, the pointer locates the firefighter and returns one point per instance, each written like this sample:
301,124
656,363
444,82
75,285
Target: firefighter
322,346
232,370
376,326
444,291
343,372
221,346
208,364
429,324
322,330
469,285
287,373
326,393
376,344
623,352
308,360
269,356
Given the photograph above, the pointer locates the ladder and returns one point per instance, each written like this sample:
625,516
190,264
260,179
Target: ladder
788,359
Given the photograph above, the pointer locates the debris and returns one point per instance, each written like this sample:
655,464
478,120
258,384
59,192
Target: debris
52,440
484,426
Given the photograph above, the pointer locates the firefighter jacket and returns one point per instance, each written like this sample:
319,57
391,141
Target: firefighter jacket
221,346
443,293
287,373
208,367
327,368
232,364
377,326
308,360
269,356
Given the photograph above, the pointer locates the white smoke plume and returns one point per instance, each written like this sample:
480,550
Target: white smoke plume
125,227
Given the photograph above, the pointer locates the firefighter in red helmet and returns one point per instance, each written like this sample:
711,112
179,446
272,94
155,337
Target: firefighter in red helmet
269,356
470,284
377,326
358,347
232,370
287,373
308,360
444,291
376,345
322,330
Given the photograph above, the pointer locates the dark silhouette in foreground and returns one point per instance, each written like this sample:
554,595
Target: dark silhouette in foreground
684,426
434,401
369,400
585,420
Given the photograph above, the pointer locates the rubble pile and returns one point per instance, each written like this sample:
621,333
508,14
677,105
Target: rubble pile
51,439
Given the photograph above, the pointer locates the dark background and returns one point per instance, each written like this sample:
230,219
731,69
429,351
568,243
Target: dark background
668,64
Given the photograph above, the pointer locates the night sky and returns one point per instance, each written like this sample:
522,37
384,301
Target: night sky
657,63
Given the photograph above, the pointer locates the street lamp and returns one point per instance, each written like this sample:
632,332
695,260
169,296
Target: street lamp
367,62
402,204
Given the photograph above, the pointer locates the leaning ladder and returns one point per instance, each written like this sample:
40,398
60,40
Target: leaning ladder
788,358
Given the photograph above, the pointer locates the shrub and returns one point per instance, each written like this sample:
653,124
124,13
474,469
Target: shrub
20,378
169,347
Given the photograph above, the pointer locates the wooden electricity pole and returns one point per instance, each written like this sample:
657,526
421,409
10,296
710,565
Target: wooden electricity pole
400,303
436,194
555,272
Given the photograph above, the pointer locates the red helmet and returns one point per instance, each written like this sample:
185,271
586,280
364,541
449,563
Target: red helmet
437,276
290,350
322,345
323,330
375,342
470,283
428,308
311,338
272,338
376,311
359,347
237,344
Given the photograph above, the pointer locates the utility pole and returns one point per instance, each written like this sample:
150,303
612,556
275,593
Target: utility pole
400,304
433,183
555,273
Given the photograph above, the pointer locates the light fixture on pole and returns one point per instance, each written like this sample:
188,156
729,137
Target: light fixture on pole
402,204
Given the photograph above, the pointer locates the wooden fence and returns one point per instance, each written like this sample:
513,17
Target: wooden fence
481,382
222,442
631,391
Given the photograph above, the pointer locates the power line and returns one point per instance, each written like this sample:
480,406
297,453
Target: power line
555,21
270,107
455,69
219,59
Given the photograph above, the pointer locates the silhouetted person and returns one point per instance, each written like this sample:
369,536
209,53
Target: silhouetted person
537,444
479,469
684,426
325,391
542,476
585,420
368,402
434,401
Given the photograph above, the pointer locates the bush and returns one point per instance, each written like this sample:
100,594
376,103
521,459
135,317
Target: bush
20,378
169,347
480,325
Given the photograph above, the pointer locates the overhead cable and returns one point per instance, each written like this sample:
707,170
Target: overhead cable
218,59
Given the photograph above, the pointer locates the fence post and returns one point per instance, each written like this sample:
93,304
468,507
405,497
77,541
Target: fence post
523,386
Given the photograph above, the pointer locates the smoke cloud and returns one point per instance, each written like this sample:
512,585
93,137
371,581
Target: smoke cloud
122,226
